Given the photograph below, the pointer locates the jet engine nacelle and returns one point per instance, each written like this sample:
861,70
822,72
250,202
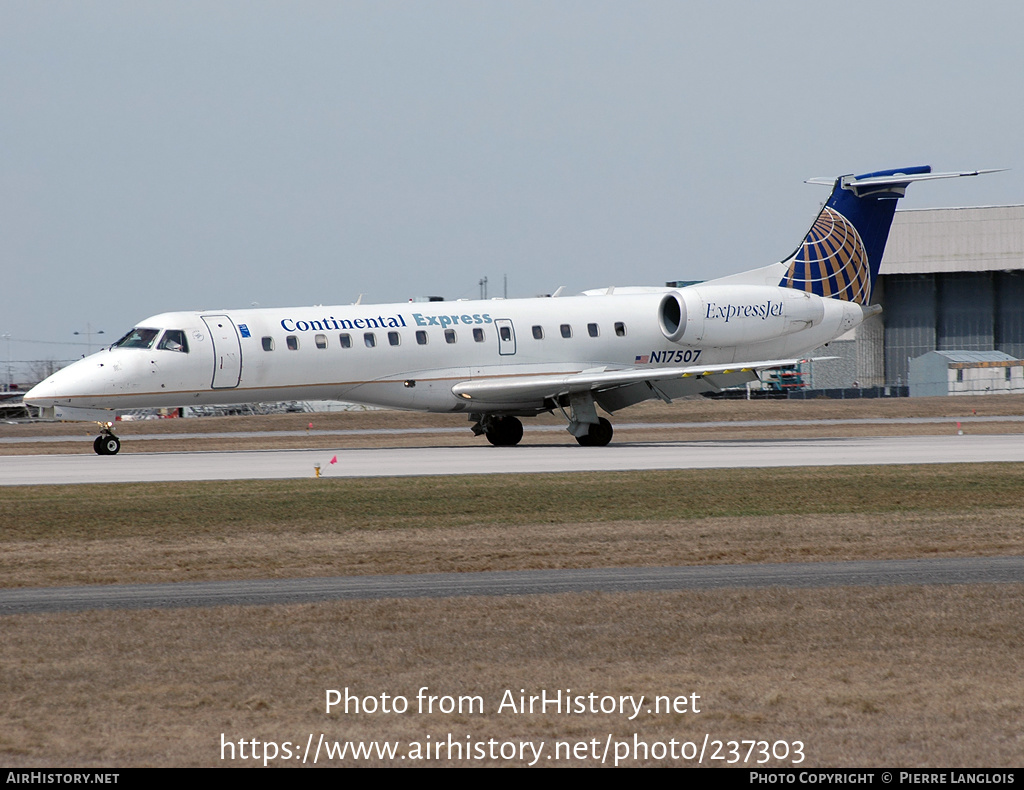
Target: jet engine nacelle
732,315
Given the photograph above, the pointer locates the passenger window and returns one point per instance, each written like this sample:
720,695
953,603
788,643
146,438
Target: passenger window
345,339
620,329
449,336
370,339
506,333
538,333
394,338
421,337
321,341
292,342
566,330
174,340
593,330
268,344
478,334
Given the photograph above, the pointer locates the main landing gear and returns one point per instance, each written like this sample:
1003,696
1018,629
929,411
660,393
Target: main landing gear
587,428
503,431
597,435
106,443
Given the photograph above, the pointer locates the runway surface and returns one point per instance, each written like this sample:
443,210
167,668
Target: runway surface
266,592
527,429
418,461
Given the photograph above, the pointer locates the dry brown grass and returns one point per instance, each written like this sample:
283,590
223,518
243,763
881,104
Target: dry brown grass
57,535
283,553
902,676
864,677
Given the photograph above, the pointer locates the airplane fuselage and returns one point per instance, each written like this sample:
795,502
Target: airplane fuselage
410,355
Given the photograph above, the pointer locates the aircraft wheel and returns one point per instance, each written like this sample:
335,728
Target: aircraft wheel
107,445
505,432
598,435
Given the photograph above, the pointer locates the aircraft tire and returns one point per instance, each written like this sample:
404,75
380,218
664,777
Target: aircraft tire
505,432
107,445
598,436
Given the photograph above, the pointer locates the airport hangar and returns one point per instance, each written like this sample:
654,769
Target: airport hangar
952,279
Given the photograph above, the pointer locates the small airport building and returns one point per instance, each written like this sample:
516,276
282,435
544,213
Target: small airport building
952,281
965,373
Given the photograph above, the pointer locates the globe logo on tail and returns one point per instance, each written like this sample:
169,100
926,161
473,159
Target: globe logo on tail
832,261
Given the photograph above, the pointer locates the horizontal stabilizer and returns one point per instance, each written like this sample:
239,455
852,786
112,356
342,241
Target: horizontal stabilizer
895,182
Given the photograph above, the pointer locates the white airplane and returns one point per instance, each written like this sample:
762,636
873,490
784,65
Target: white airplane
500,360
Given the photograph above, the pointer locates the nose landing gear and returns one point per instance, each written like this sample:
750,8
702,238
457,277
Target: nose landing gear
106,443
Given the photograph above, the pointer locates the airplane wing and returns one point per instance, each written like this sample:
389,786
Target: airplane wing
506,389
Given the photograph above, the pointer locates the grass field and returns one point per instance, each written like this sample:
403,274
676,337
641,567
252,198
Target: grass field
63,535
899,676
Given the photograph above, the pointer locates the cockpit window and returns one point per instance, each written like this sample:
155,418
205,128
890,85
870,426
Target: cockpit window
174,340
137,338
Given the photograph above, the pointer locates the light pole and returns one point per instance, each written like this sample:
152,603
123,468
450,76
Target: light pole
88,333
7,385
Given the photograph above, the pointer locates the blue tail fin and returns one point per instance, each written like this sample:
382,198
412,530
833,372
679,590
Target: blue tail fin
841,253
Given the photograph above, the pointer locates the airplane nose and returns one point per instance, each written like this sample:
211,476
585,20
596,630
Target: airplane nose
75,381
42,394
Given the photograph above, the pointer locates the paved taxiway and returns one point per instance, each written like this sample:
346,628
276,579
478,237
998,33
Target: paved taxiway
418,461
529,429
268,592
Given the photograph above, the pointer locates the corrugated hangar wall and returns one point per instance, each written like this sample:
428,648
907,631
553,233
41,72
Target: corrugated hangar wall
951,280
972,311
1009,332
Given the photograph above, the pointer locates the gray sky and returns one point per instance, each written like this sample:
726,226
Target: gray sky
202,155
